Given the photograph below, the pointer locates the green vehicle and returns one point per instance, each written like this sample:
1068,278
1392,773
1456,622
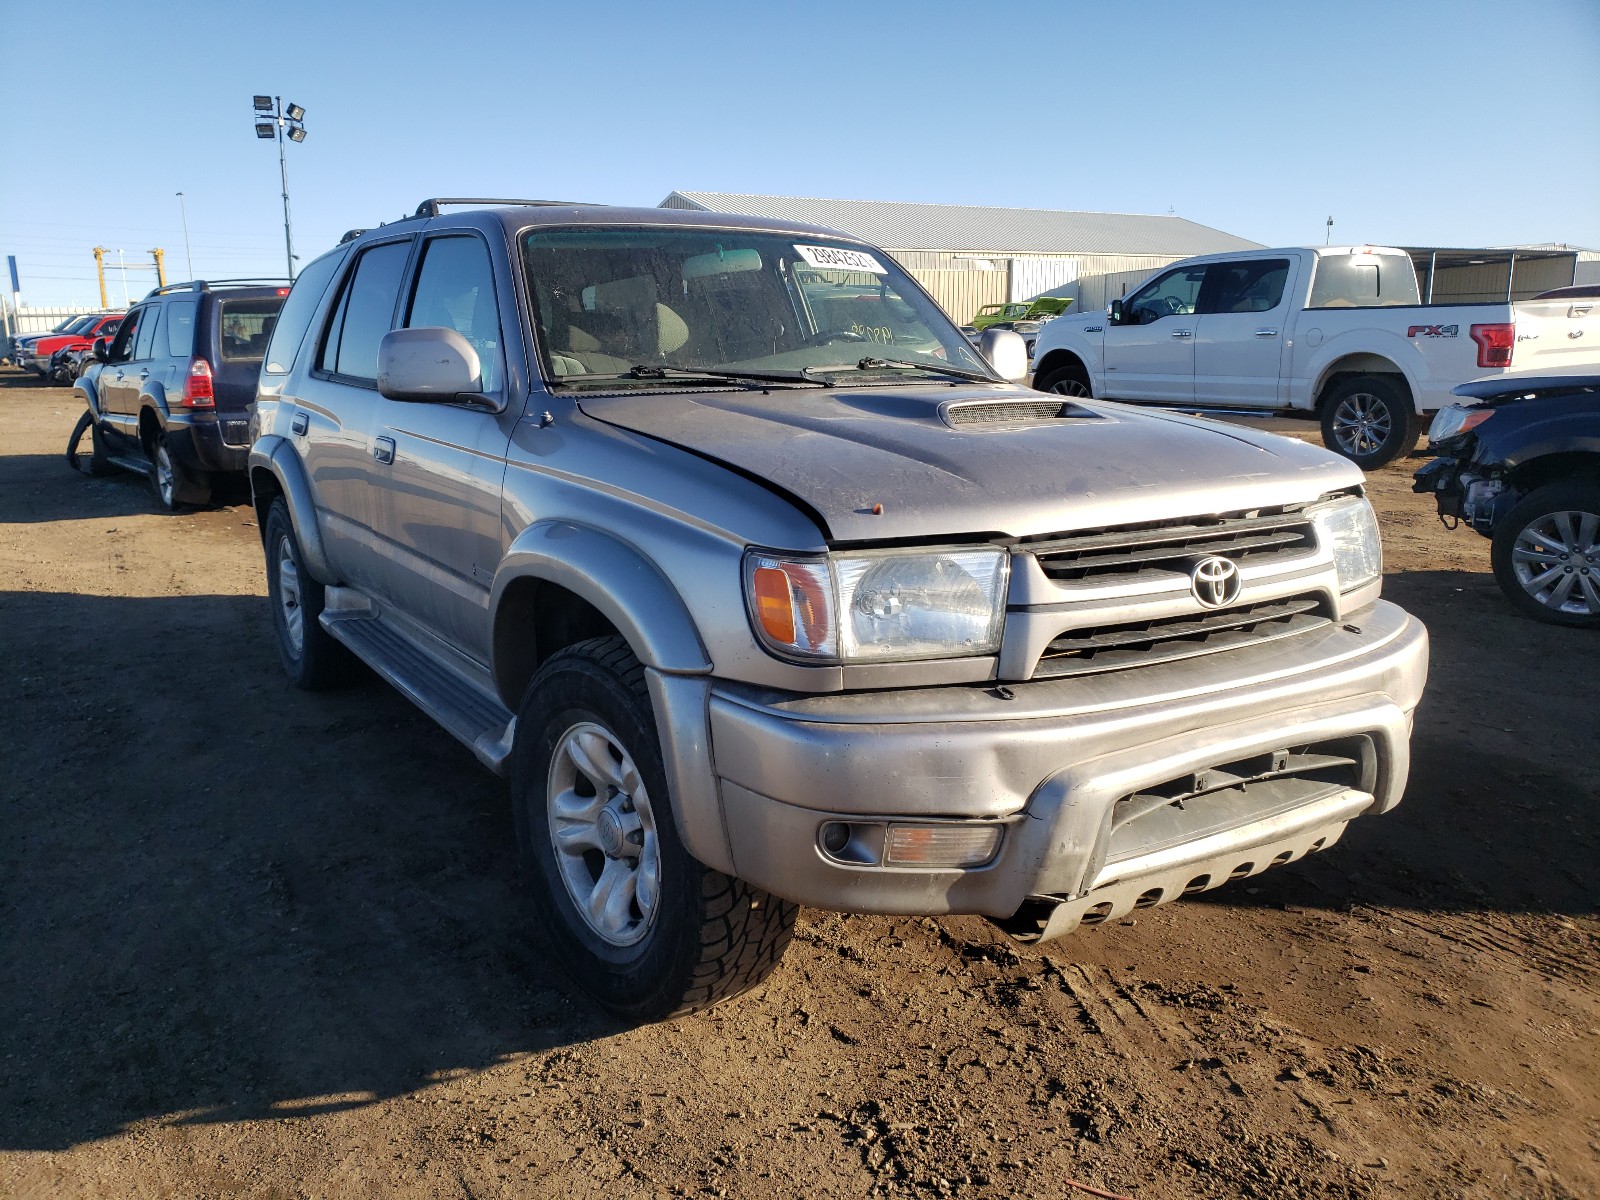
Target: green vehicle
1041,309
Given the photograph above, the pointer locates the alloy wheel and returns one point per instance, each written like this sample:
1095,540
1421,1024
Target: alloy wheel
1556,559
1362,423
294,619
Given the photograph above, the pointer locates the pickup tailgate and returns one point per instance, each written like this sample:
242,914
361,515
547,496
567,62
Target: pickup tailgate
1557,337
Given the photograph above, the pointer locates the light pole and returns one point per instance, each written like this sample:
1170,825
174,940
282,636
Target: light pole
187,257
273,119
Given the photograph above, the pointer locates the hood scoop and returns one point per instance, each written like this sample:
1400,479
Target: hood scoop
1013,412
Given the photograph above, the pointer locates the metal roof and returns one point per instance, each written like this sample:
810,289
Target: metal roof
961,227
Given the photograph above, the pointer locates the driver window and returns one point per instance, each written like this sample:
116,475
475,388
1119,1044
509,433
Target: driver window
122,347
1171,295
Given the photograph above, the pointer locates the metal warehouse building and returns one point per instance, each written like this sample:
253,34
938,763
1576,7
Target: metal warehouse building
968,256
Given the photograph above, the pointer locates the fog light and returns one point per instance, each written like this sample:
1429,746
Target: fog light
942,845
835,836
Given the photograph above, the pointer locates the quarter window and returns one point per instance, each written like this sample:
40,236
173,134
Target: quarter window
180,328
455,290
365,312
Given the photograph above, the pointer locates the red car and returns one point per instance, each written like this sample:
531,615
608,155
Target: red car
37,358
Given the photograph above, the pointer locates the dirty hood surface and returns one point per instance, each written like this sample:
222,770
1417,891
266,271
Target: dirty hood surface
842,451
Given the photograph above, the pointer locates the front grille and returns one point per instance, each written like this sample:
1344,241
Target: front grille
1098,648
1243,537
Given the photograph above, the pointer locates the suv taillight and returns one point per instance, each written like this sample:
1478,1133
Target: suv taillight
197,392
1495,344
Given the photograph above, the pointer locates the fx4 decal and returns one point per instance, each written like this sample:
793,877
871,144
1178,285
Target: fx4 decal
1433,331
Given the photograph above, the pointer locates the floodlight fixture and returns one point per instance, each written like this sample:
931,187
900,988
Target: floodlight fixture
281,119
297,133
263,103
295,113
266,129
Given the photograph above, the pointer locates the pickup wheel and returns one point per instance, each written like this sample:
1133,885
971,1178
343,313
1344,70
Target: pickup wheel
645,929
311,657
1065,381
1546,554
1370,420
173,483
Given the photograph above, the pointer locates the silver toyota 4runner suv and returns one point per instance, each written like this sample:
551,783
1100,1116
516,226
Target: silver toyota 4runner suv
765,589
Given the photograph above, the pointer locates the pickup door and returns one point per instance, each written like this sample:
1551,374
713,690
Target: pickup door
1149,354
1241,332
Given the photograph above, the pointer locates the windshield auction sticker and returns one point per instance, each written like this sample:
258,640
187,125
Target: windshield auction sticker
834,258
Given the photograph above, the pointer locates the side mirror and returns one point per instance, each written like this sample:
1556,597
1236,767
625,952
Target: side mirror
1116,312
102,349
430,363
1007,353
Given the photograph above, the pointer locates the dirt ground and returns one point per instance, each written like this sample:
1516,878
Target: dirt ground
257,942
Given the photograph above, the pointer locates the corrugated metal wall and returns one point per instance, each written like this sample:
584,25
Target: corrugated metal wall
1486,282
962,293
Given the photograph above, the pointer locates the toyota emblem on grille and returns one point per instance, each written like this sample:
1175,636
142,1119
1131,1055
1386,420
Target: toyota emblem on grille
1215,582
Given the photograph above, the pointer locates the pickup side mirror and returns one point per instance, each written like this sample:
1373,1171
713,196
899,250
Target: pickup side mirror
102,349
430,363
1007,353
1116,312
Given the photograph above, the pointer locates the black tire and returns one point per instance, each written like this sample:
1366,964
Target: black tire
707,937
1567,513
1370,420
173,483
311,658
1065,381
96,463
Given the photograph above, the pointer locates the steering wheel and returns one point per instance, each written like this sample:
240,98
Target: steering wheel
823,336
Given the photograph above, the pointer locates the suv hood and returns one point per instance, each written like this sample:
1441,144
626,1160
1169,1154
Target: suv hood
840,452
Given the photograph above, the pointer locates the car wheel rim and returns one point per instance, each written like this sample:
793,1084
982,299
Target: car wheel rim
1071,387
1362,423
164,475
603,832
294,617
1556,559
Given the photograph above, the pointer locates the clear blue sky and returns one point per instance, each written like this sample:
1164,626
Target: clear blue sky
1446,123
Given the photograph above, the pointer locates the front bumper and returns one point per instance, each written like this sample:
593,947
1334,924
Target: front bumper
1050,764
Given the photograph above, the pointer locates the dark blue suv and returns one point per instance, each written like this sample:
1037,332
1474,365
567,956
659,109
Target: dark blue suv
170,395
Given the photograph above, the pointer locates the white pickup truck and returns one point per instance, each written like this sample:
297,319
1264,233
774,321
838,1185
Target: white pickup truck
1337,330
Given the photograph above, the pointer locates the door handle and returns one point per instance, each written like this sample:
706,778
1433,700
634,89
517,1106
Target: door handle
119,372
300,423
1182,333
1266,333
145,374
383,450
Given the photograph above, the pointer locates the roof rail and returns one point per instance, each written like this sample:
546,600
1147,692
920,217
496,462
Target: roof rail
351,235
205,285
430,208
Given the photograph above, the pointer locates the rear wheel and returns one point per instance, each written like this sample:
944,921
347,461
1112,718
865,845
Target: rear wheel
1066,381
638,923
311,657
1546,554
174,484
1370,420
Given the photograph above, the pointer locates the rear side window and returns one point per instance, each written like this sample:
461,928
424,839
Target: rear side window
297,312
1364,281
245,327
365,312
180,328
1245,287
146,344
455,290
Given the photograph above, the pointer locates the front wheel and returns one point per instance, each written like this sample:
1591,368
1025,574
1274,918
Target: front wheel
1370,420
311,657
1065,381
639,924
1546,554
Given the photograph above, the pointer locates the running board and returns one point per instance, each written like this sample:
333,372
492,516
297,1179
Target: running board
473,717
129,462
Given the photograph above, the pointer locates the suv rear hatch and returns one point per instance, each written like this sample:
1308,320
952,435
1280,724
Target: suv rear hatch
237,342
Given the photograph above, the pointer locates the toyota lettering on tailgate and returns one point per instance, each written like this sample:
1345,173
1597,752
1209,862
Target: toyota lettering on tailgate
1433,331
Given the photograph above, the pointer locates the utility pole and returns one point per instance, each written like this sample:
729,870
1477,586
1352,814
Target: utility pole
183,211
274,118
1327,237
123,267
100,270
161,271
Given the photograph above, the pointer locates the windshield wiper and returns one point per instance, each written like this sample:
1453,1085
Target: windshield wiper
658,371
874,364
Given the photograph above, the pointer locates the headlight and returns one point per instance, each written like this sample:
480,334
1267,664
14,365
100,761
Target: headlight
878,606
1455,420
1349,529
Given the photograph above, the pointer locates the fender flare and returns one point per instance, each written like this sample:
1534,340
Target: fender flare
274,455
156,402
618,579
1323,370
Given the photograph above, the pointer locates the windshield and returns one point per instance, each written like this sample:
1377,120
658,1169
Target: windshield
607,300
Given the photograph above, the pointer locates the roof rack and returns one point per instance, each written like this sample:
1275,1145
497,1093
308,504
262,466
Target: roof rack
351,235
430,208
205,285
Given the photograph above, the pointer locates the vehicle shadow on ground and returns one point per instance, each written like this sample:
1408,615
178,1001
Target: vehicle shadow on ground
1502,810
222,899
38,488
